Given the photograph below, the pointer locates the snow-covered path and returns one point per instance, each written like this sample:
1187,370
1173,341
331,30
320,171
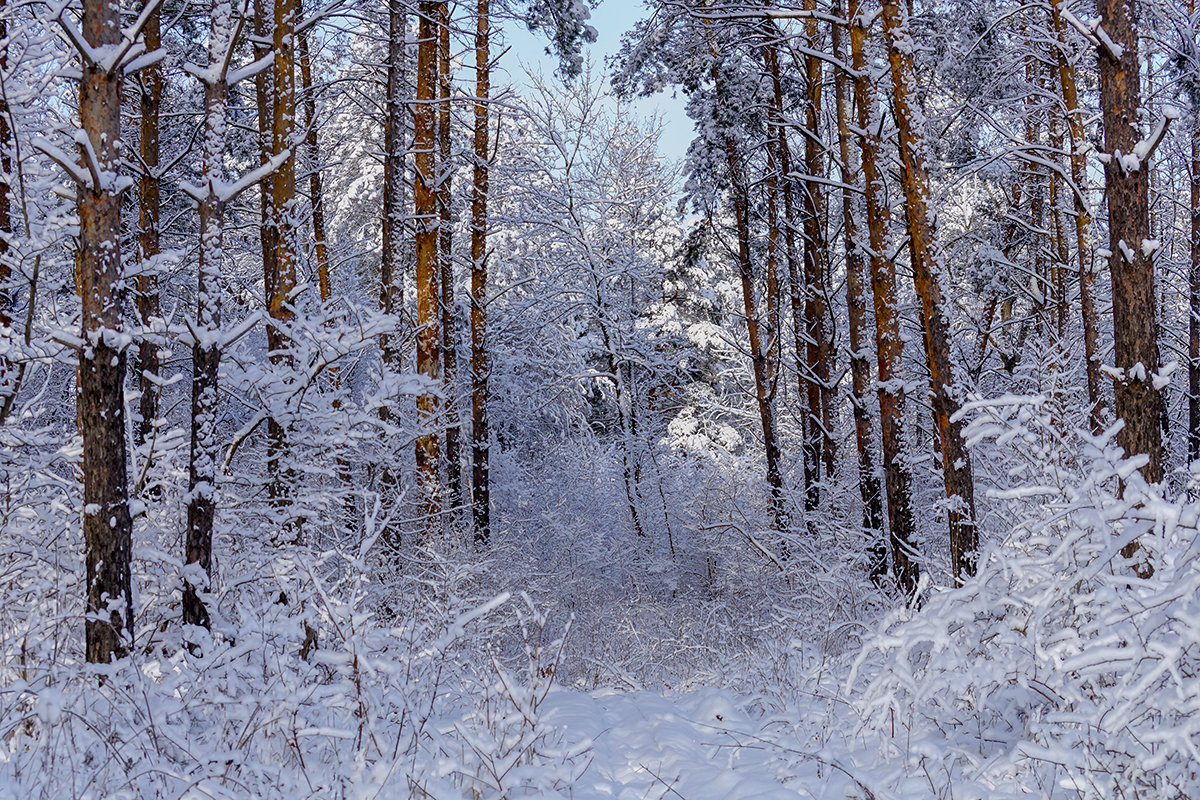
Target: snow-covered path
697,746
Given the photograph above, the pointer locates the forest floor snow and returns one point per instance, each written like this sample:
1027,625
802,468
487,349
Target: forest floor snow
697,746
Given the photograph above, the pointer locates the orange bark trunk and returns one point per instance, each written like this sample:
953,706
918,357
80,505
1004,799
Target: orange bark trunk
927,275
425,197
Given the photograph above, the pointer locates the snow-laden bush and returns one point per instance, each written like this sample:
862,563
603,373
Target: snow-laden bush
1057,671
324,688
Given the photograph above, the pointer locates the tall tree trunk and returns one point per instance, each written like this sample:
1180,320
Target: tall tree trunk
391,298
1034,178
391,280
316,193
315,183
764,394
1083,220
264,101
1062,249
1194,300
206,351
107,526
779,147
8,373
281,284
821,394
889,347
480,366
428,294
856,302
1135,314
446,266
149,368
927,275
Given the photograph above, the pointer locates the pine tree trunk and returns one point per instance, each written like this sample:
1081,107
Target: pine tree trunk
927,269
856,303
149,368
816,308
446,267
810,448
480,366
283,223
391,298
206,351
425,196
8,372
107,527
1035,179
312,144
1194,300
1062,249
1083,220
316,191
889,347
1135,315
764,393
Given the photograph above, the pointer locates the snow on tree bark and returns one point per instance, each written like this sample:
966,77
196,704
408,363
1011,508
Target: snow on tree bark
480,363
889,347
107,525
927,277
149,368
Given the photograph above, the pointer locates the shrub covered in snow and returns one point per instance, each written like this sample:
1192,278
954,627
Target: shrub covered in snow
1057,671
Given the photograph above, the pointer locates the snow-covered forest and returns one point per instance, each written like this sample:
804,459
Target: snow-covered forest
379,422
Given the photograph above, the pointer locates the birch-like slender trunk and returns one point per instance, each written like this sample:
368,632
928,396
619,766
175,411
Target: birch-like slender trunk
764,393
821,395
810,449
1194,299
454,485
312,144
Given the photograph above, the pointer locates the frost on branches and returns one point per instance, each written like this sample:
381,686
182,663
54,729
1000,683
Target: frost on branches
1057,672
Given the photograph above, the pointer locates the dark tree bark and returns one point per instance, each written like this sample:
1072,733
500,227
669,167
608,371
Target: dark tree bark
8,371
821,397
107,526
764,391
1194,300
391,298
927,275
480,364
206,351
446,266
1127,191
810,448
149,368
312,143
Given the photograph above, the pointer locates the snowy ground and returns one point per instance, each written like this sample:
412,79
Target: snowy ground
694,746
